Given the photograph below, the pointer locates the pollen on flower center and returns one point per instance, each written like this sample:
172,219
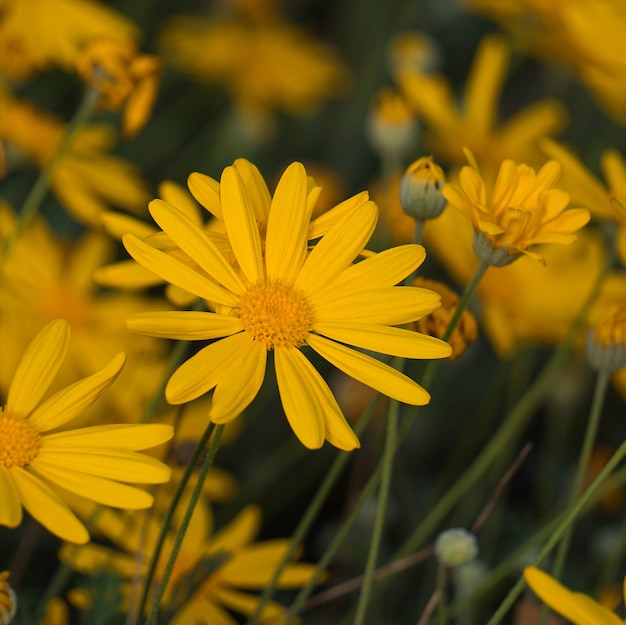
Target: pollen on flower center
275,314
19,440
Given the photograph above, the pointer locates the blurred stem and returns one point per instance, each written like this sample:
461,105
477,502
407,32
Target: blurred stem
38,192
193,461
383,497
558,534
182,530
441,592
599,395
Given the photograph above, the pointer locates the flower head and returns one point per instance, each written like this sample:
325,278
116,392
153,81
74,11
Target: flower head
606,342
39,461
279,298
574,606
521,210
420,189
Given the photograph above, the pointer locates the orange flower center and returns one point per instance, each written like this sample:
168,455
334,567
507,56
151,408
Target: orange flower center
275,314
19,440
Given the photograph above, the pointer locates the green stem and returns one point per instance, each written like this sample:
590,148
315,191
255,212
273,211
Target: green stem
182,530
599,395
441,592
38,192
379,522
570,517
193,462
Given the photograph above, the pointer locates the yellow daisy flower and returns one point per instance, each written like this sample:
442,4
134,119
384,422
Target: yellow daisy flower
39,460
196,593
281,298
520,210
576,607
29,43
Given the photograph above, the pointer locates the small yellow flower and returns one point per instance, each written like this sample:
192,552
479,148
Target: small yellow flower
521,210
281,298
576,607
606,342
123,77
8,600
39,460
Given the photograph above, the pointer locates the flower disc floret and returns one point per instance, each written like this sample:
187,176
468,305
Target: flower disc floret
276,314
19,440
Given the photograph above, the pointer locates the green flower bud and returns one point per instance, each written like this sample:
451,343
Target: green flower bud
456,547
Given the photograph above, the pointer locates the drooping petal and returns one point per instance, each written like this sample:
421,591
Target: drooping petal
288,225
184,325
240,381
39,364
48,508
298,394
195,243
175,272
384,339
97,489
123,436
241,225
69,402
10,503
200,373
337,249
113,464
370,371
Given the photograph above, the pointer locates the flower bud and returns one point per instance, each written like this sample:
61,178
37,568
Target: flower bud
456,547
606,342
420,189
8,600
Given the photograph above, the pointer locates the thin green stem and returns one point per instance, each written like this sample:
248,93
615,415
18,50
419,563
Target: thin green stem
379,521
570,517
189,469
441,591
38,192
182,530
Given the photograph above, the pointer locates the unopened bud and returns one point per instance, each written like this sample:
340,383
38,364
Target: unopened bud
420,189
456,547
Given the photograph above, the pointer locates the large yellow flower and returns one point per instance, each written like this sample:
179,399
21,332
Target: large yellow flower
521,210
39,460
576,607
281,298
213,574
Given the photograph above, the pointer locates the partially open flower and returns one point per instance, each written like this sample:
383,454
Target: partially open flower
606,343
420,189
124,77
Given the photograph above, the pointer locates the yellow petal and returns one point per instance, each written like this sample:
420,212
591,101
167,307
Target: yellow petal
184,325
124,436
207,191
126,274
48,508
322,224
175,272
241,225
614,168
246,604
239,532
202,610
370,371
96,489
195,243
176,195
288,225
38,366
10,504
299,396
69,402
385,340
337,249
117,225
256,189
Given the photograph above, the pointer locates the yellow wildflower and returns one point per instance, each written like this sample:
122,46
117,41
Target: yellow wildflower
37,466
413,51
576,607
35,34
521,210
8,600
282,297
123,77
472,124
241,565
86,180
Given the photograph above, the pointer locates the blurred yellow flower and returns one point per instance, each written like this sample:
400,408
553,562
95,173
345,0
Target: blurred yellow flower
576,607
266,65
280,298
8,600
522,209
39,460
196,593
604,201
124,77
35,34
588,36
473,123
86,180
